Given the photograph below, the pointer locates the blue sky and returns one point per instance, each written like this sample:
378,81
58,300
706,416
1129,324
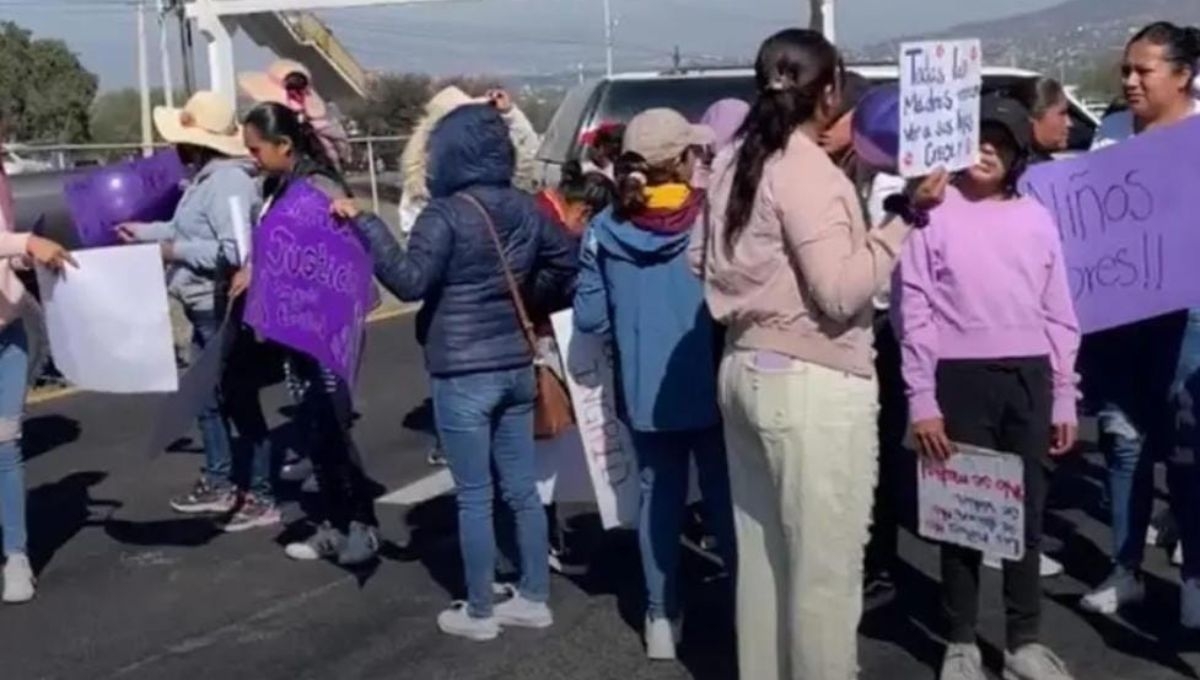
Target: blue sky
514,36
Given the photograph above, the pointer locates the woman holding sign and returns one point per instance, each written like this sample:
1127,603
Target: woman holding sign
1138,374
200,249
474,248
288,150
989,338
16,249
791,270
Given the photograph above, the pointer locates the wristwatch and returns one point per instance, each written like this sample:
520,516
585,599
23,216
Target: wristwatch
901,206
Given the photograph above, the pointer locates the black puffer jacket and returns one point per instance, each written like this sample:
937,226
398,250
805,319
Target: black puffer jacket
468,323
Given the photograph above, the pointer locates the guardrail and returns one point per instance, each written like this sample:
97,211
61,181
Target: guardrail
374,157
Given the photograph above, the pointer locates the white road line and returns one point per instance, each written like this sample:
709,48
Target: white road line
424,489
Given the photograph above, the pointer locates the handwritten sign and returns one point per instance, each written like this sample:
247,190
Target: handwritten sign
312,287
1127,216
976,500
141,190
611,461
940,83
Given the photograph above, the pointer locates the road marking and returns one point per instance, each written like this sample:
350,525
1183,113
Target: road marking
424,489
62,392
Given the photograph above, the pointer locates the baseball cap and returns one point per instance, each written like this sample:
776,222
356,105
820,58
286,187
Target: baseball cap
1009,114
662,135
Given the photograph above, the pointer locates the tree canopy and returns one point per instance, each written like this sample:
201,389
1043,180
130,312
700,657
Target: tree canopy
45,93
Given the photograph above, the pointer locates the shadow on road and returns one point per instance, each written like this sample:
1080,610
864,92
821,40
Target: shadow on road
43,434
60,510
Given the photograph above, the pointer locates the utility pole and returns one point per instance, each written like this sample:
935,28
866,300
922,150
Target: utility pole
822,18
608,37
185,46
676,60
144,79
165,55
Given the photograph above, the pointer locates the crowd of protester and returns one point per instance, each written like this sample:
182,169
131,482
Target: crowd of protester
781,314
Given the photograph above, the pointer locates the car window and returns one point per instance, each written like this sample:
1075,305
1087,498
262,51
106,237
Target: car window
624,99
561,135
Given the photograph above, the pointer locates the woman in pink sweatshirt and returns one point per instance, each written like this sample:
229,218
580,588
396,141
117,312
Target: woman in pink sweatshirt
988,339
16,250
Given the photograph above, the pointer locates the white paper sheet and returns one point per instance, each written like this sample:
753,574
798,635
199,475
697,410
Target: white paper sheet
108,321
976,500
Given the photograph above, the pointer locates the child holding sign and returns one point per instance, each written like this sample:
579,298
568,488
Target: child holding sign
989,338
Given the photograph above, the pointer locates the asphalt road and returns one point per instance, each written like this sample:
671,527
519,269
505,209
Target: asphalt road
129,590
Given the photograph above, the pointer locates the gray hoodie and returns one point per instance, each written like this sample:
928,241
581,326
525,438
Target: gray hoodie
203,229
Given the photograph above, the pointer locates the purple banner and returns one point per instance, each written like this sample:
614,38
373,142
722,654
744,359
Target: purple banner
312,286
1129,218
141,190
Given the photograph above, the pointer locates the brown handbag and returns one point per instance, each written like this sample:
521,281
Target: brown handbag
552,413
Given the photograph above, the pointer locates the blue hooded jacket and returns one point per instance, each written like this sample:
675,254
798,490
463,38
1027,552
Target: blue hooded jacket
468,323
636,284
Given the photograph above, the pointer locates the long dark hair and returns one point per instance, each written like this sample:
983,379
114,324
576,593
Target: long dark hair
278,123
1181,44
592,189
793,70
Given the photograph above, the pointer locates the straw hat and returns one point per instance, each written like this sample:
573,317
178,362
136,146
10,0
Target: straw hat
206,120
268,87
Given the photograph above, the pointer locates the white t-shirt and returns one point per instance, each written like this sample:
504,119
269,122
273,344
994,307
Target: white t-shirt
882,186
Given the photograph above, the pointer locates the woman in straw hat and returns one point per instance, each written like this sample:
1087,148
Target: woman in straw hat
199,245
289,83
16,249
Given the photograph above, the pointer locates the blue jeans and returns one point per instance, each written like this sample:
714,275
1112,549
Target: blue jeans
663,458
1129,373
213,433
485,418
1183,465
14,362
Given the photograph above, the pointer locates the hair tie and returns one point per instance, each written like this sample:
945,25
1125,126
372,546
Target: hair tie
639,177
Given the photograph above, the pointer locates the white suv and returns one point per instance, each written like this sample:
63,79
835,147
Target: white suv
617,99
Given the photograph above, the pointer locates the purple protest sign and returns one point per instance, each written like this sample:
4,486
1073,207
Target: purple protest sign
312,287
1131,232
141,190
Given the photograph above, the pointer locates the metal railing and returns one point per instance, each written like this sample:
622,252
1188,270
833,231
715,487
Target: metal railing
374,160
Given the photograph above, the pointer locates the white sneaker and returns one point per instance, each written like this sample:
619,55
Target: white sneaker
660,639
456,621
518,612
1048,567
1189,604
18,579
962,662
1121,588
1035,662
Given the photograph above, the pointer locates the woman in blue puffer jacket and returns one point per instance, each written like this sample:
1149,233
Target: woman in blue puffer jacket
476,352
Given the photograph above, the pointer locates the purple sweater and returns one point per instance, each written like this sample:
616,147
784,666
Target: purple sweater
985,280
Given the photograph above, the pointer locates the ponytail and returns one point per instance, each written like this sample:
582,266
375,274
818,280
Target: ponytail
793,70
592,189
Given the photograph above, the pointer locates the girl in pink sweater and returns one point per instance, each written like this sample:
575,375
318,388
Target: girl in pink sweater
16,250
988,339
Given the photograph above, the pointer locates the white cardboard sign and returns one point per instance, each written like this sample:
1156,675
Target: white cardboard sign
976,500
940,85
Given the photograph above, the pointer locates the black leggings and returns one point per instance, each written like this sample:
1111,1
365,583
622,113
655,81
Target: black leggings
327,412
1004,405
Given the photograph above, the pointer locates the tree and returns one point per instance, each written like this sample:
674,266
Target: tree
393,105
1102,81
44,91
116,117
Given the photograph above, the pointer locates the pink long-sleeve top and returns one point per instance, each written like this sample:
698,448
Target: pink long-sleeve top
985,280
12,249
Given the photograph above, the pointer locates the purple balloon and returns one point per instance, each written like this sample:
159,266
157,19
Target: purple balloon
876,127
141,190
